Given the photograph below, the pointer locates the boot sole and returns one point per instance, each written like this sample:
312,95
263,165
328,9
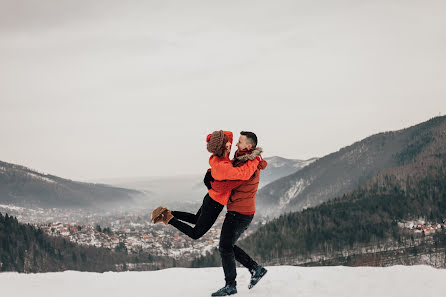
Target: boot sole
224,295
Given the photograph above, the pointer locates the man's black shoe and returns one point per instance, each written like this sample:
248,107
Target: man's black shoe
226,290
256,274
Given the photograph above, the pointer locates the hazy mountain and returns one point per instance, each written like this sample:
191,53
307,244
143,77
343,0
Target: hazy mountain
187,191
342,171
20,185
184,192
279,167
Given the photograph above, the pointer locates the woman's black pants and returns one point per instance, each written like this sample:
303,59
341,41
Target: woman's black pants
203,219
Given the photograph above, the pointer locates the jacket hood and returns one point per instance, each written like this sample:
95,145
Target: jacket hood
251,156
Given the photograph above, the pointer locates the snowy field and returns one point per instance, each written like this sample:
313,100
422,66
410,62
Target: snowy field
419,281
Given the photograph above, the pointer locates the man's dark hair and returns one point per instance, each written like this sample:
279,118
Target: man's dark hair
251,137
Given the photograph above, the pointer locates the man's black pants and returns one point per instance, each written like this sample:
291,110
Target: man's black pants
233,226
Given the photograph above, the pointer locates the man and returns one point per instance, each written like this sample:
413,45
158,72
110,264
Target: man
241,209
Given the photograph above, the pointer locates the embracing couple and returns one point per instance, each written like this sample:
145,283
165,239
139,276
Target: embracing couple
232,183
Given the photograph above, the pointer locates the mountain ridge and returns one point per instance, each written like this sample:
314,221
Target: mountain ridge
22,186
340,172
367,223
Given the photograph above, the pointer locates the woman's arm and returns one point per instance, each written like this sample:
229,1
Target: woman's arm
223,169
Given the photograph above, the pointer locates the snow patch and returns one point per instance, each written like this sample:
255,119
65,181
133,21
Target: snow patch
36,176
295,190
303,164
278,162
12,207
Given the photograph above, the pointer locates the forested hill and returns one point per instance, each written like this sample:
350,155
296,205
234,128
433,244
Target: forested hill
24,248
369,218
22,186
341,172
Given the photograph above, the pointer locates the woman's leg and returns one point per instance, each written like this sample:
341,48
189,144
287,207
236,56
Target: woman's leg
208,214
187,216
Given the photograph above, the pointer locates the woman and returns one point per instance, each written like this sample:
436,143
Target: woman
219,144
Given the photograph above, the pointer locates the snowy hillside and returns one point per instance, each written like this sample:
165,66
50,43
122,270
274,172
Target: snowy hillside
279,167
280,281
341,172
277,161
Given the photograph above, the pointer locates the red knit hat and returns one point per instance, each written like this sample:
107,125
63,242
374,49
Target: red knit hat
216,142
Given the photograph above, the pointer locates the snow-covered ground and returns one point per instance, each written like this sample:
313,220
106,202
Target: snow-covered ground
280,281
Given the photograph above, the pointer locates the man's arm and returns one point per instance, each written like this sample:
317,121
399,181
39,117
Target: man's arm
223,186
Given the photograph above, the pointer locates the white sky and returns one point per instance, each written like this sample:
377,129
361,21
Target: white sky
101,89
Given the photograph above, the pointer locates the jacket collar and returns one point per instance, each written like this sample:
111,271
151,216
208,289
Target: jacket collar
244,156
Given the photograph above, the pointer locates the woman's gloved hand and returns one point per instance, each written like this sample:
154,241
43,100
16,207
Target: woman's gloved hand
208,179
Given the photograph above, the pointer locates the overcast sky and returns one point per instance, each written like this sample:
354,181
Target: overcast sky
102,89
